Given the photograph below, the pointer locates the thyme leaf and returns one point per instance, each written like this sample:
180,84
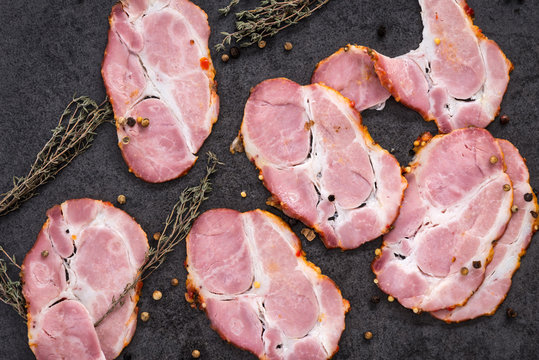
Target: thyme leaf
72,136
267,19
11,291
177,226
224,11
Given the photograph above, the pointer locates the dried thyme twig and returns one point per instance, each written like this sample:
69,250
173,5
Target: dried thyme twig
266,20
177,226
11,291
74,134
224,11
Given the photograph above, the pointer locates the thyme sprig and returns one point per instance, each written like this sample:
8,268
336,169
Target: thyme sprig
11,291
267,19
72,136
224,11
177,226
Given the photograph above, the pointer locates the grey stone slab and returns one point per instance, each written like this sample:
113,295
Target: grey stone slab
50,50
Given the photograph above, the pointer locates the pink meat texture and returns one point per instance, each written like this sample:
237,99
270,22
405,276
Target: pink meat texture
84,256
157,66
458,202
509,248
456,77
351,72
320,162
248,272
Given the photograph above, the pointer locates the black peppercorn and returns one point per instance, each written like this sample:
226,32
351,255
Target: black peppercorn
528,197
131,121
234,52
511,313
381,31
504,119
331,197
476,264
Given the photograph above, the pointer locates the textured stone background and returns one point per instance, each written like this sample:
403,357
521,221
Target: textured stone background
50,50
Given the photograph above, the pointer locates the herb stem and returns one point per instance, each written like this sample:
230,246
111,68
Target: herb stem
72,136
268,19
11,291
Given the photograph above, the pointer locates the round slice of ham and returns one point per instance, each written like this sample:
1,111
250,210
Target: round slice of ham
456,77
157,66
248,272
457,203
84,256
509,248
320,162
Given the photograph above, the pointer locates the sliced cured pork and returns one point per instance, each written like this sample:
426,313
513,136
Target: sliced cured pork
84,256
456,77
160,79
351,72
320,163
457,203
509,248
248,272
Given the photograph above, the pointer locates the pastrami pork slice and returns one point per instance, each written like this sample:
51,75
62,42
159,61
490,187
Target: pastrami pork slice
160,79
456,77
457,203
509,248
248,272
320,162
84,256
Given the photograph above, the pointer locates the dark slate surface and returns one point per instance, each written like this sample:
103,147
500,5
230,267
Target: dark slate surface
50,50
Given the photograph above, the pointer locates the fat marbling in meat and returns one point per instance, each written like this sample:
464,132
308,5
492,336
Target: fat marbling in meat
458,202
84,256
248,272
509,248
320,162
456,77
157,66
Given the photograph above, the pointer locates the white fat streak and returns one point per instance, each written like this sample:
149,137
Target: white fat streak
375,154
313,166
426,50
85,294
35,330
255,297
159,84
435,217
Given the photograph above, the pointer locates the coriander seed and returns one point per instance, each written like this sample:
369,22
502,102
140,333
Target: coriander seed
121,199
157,295
144,316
